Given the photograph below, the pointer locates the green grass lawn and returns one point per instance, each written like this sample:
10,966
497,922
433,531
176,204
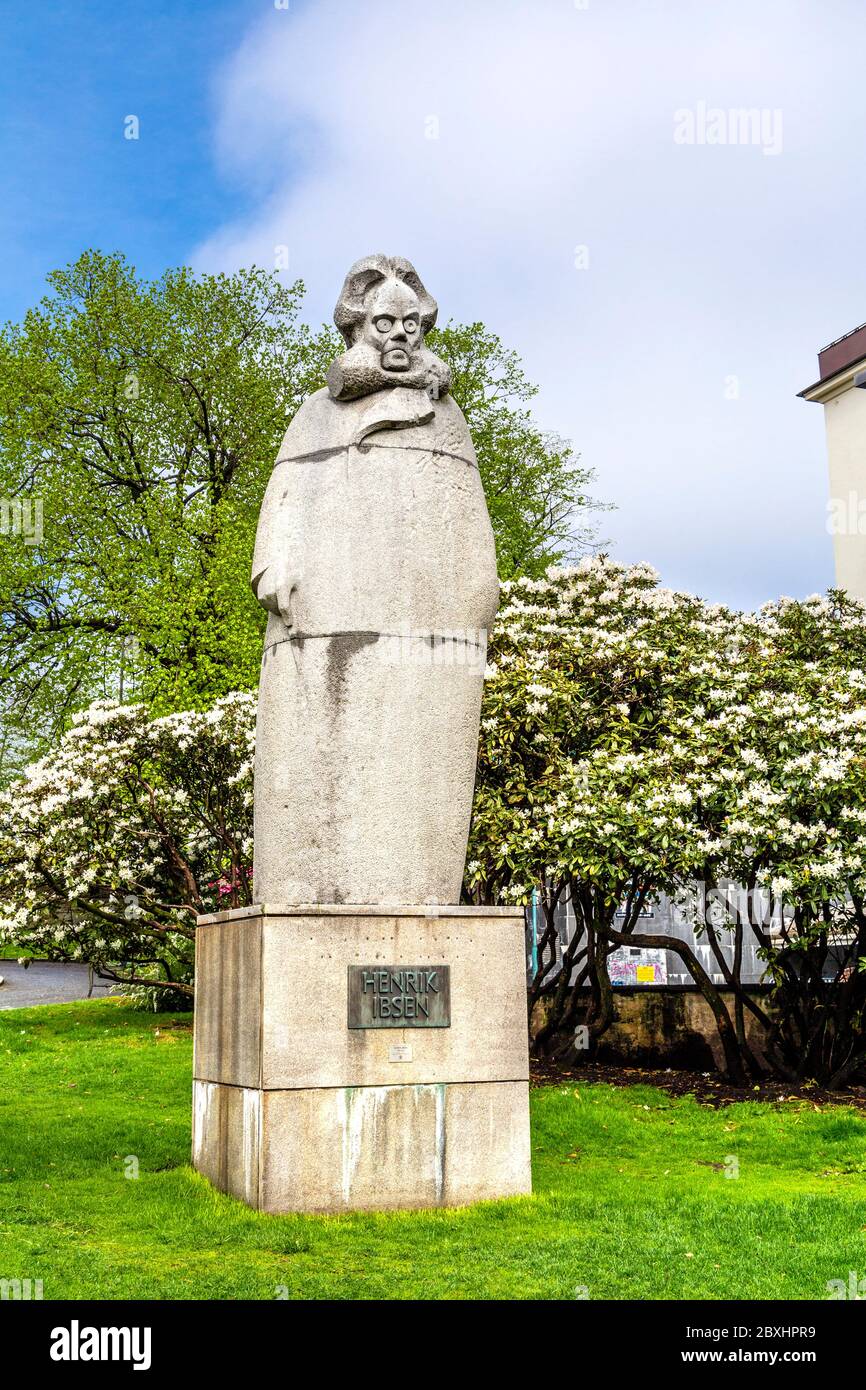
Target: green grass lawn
631,1194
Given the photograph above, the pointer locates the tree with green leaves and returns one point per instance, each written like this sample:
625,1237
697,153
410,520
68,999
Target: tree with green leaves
144,417
139,422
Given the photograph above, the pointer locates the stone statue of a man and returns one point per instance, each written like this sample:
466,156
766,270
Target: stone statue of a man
375,560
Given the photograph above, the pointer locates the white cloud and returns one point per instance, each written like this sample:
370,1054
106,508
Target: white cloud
555,130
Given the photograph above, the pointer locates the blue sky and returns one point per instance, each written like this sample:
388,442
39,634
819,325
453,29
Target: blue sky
71,73
668,294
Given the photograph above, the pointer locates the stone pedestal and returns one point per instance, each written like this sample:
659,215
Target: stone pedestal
296,1110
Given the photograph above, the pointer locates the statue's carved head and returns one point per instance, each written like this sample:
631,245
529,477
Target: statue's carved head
383,287
383,314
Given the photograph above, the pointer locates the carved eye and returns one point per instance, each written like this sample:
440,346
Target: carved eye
384,325
410,325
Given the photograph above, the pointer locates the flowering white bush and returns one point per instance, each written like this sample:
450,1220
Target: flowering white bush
114,842
596,689
634,740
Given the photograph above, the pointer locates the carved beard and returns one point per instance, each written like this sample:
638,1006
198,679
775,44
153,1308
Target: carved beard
359,372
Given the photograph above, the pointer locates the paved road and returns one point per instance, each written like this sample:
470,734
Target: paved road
46,982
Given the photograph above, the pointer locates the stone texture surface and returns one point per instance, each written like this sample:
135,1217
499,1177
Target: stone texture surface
389,533
271,998
226,1138
364,759
673,1028
376,562
368,1148
293,1111
359,372
227,1035
323,427
383,313
370,695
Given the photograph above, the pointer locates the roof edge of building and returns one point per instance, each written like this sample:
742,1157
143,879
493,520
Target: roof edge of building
829,385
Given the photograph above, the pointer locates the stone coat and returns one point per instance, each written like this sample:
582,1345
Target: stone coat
376,560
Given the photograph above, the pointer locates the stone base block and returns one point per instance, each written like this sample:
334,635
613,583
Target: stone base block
298,1108
364,1148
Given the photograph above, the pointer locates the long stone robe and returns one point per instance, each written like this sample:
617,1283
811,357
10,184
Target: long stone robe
374,529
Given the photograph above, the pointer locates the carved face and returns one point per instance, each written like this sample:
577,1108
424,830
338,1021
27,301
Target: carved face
393,325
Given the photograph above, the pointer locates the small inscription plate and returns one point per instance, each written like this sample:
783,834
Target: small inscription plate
399,996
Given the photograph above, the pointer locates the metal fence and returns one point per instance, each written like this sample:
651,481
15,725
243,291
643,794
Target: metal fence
636,966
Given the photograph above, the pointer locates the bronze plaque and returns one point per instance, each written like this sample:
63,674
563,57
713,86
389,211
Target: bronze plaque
399,996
